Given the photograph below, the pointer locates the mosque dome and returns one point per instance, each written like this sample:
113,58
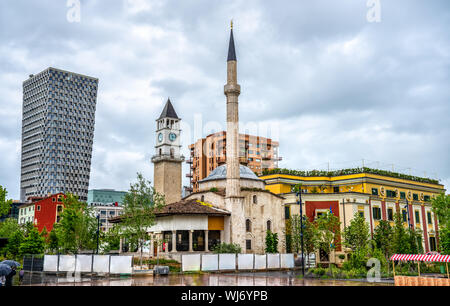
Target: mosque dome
220,173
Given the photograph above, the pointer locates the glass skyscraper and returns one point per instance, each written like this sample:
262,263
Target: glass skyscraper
58,119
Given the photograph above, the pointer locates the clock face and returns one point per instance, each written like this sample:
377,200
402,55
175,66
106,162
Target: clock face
172,137
160,137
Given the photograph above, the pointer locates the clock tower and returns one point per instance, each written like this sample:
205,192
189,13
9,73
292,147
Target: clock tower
168,159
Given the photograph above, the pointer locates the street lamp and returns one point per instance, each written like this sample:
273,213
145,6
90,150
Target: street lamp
407,212
299,194
98,230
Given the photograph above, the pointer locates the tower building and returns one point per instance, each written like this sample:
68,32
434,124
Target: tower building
168,159
57,133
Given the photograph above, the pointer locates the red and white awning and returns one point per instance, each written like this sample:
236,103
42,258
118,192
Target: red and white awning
420,257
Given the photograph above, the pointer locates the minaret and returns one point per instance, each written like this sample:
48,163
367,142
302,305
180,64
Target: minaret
232,91
234,202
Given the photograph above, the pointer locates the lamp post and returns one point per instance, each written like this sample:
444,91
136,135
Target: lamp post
299,194
407,211
98,230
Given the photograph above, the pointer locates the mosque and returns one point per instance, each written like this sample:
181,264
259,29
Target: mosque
232,204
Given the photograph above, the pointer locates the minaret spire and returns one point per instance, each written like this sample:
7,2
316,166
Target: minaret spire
232,91
231,49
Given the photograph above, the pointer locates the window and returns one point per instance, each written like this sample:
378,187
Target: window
432,244
248,225
375,191
39,208
404,214
429,218
376,213
287,212
248,244
402,195
336,189
361,210
417,216
390,214
269,225
415,197
391,193
255,199
426,198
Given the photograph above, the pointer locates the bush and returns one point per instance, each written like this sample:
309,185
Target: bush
227,248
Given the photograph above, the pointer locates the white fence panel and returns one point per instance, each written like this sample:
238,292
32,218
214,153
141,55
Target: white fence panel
83,263
101,264
287,261
210,262
245,261
67,263
190,262
50,263
227,262
260,262
273,261
121,265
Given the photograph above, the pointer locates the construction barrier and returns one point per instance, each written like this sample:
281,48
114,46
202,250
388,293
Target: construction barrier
232,262
88,264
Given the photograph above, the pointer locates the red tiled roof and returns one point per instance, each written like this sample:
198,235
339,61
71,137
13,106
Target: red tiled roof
185,207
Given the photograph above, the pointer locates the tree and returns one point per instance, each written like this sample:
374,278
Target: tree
383,237
400,236
32,244
414,238
8,227
77,227
14,242
271,242
5,205
356,235
444,240
53,243
329,228
111,240
140,204
441,208
310,235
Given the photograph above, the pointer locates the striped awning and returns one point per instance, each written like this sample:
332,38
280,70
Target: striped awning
420,257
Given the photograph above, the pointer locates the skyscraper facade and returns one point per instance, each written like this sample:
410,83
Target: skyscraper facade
58,118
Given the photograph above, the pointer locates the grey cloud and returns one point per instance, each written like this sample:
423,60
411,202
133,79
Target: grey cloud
340,88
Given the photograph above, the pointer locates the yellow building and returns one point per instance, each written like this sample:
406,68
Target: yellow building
375,194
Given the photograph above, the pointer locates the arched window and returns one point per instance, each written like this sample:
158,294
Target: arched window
248,225
269,225
160,151
255,199
172,152
203,198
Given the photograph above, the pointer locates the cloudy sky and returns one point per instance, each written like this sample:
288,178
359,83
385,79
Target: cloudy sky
318,76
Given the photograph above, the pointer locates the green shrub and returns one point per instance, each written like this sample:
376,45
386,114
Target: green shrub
227,248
